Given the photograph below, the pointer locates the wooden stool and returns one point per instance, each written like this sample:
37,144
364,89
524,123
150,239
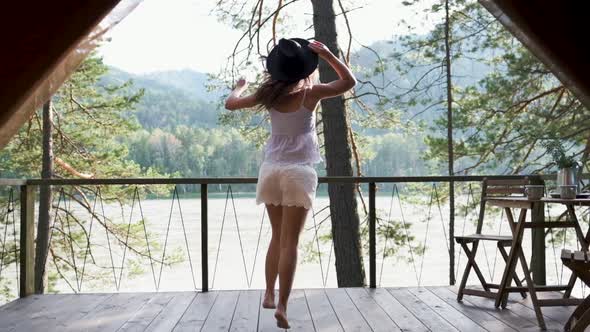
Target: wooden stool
578,262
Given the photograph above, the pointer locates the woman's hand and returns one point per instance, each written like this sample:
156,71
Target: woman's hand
337,87
241,84
235,101
322,50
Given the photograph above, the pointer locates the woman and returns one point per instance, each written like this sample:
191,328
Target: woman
287,180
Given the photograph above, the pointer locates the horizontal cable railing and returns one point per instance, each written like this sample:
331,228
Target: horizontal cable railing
74,239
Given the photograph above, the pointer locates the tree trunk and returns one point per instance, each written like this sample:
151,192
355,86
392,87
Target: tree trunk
343,204
44,203
450,146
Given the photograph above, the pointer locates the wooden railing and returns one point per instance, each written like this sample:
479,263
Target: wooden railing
28,189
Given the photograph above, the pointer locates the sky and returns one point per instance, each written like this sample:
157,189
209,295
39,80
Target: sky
184,34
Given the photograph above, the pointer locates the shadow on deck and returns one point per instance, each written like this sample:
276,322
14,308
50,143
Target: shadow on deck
342,309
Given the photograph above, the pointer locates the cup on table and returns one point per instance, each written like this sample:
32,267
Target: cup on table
534,191
568,192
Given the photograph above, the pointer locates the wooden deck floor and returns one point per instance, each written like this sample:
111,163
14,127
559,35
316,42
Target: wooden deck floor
350,309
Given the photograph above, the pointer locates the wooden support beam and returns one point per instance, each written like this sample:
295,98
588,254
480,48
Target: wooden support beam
27,241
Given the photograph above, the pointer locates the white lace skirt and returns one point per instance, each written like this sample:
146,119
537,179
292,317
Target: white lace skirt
286,185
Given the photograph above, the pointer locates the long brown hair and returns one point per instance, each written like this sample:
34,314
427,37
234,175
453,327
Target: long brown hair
270,91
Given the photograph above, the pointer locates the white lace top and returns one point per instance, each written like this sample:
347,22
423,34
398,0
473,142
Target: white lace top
293,137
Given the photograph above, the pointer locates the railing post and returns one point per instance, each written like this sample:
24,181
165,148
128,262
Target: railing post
27,240
204,242
372,231
451,232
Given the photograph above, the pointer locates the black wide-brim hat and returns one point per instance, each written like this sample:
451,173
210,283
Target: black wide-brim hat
291,60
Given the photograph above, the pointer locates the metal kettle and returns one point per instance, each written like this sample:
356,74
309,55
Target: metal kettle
568,176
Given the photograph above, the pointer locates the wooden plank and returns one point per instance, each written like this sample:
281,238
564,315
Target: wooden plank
509,202
245,317
144,316
480,293
396,311
195,315
71,308
576,202
559,313
172,312
579,256
347,313
110,314
266,319
552,303
231,180
26,309
507,182
507,316
426,315
506,190
298,312
13,182
18,303
323,315
371,311
318,309
550,224
220,317
529,314
450,314
479,315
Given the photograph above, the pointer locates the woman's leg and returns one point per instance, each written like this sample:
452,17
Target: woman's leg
271,268
293,220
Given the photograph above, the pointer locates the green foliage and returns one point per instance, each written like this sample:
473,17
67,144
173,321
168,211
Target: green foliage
91,119
557,151
503,111
88,119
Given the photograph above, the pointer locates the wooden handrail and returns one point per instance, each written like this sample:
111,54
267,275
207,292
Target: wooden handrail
13,182
246,180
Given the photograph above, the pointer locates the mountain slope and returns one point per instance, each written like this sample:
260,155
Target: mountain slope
171,98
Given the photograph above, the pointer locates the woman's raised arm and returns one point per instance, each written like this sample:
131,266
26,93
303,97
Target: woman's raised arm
335,88
234,101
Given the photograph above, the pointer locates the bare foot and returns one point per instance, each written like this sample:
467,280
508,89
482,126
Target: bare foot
269,301
281,317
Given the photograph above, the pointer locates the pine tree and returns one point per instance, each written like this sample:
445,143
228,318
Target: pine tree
88,120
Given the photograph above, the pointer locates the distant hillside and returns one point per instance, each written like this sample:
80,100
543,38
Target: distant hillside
171,98
180,97
189,81
466,72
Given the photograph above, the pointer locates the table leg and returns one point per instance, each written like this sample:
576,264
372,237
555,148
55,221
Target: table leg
518,231
512,224
532,291
583,239
504,254
510,218
517,243
583,243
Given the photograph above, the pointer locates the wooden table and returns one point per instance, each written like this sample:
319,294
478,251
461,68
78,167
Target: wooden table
516,253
